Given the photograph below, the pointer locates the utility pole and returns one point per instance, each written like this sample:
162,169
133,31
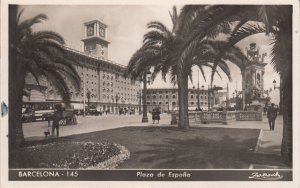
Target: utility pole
83,94
198,94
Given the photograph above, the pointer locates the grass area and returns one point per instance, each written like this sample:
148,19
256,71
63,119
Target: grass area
173,148
63,155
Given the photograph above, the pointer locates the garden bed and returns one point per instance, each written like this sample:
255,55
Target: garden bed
71,155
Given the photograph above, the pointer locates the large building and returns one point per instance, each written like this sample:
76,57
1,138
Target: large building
167,98
101,79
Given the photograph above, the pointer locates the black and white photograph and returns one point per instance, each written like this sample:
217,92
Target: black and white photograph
172,92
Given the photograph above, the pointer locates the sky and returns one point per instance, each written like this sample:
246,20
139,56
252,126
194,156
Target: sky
126,27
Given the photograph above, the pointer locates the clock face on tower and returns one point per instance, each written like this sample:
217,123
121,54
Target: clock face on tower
101,32
90,30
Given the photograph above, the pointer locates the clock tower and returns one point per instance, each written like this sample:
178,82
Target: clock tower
95,39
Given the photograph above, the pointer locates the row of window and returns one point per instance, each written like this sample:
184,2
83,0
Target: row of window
167,96
120,98
174,96
174,103
168,92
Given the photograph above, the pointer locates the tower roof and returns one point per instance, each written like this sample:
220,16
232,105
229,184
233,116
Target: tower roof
95,21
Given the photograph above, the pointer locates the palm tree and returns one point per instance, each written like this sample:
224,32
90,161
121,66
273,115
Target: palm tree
39,53
278,23
160,51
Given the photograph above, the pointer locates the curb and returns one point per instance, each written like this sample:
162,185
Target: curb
251,166
258,141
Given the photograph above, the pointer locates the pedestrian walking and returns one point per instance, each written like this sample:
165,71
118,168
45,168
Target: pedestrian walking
271,115
57,117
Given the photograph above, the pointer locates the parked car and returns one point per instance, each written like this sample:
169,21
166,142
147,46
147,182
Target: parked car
92,110
27,115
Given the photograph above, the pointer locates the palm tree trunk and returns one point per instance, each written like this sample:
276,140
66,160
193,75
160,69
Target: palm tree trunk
183,99
16,83
287,104
285,33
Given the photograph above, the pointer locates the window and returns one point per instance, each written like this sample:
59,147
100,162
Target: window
148,97
167,102
201,97
192,103
173,103
159,103
174,96
192,96
148,102
160,96
154,96
154,102
205,96
167,96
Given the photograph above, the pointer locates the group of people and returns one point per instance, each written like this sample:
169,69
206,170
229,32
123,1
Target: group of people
156,115
58,118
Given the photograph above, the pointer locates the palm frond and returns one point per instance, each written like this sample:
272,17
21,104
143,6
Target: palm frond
19,16
56,79
30,22
154,37
244,32
48,35
159,26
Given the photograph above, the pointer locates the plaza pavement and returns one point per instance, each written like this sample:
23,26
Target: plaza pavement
269,142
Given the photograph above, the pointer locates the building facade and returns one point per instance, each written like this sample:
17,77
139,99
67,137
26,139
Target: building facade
167,98
102,82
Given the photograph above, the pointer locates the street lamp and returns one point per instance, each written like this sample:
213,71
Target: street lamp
237,95
88,96
274,83
139,97
198,94
146,79
117,99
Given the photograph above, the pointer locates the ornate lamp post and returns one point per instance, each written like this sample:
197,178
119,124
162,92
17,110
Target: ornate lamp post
88,96
280,95
198,96
146,79
117,99
140,101
237,95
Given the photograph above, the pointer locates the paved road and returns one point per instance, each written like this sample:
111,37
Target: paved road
35,130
